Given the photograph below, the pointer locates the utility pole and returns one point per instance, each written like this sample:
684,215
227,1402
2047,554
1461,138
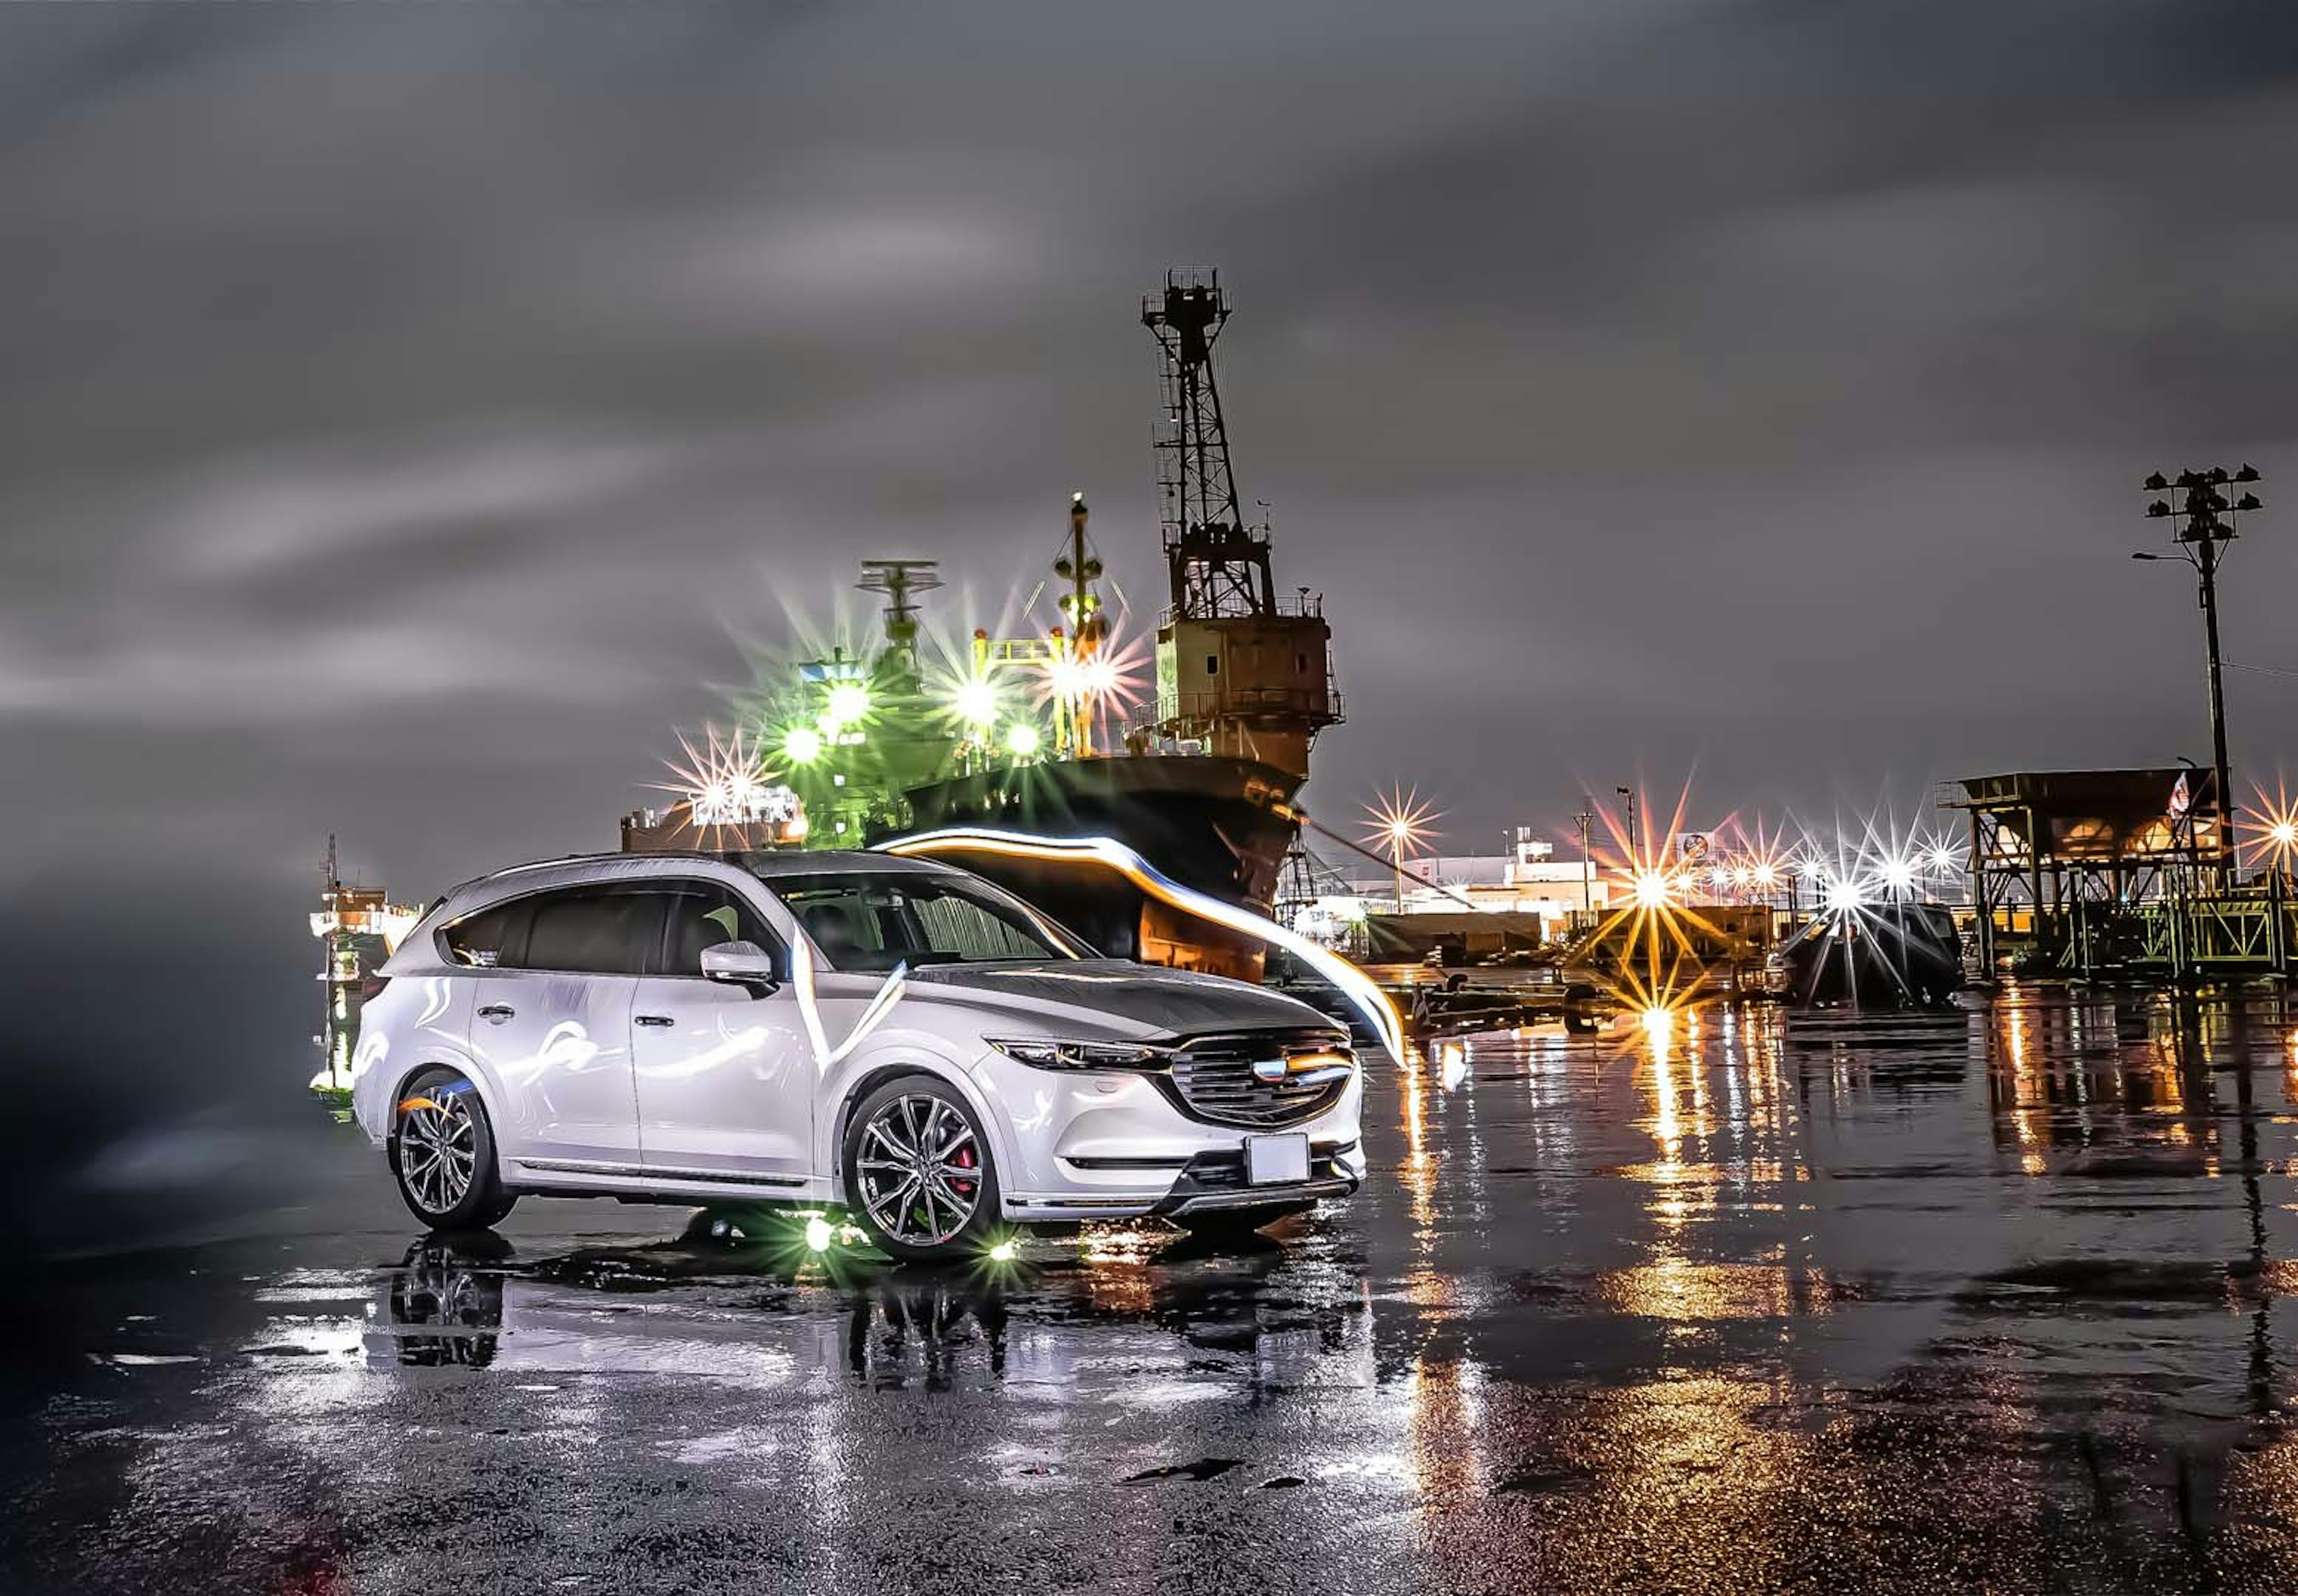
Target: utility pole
2202,521
1583,820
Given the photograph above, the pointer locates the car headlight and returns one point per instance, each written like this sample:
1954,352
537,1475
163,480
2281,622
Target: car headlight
1040,1052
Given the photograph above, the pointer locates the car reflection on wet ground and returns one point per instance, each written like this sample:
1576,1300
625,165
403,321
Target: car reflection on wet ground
1996,1298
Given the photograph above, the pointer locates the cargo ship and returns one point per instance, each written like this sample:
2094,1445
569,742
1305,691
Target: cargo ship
1043,734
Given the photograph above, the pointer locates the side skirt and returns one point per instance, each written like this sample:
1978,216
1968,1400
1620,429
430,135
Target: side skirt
576,1177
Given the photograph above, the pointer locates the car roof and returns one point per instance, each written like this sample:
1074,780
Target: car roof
580,870
576,869
782,862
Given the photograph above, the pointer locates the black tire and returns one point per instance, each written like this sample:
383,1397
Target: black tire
1216,1222
438,1109
870,1192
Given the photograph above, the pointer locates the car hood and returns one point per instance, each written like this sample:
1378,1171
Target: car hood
1095,997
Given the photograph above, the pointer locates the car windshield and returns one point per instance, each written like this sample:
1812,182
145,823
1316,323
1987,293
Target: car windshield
876,921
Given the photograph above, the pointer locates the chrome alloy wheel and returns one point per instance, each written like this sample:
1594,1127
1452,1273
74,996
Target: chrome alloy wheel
438,1147
920,1169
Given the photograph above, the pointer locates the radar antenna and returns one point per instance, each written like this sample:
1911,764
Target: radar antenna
899,579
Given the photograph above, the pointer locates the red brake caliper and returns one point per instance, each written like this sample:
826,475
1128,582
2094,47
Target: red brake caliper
965,1161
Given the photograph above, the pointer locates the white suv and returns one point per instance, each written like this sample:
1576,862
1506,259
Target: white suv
689,1028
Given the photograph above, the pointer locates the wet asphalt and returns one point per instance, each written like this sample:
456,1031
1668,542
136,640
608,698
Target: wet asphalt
1996,1299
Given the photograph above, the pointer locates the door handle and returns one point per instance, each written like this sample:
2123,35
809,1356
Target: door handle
654,1018
496,1010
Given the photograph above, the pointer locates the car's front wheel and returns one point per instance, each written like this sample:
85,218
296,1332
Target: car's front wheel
442,1153
919,1175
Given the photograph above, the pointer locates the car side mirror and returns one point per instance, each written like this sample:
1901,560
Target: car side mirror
746,963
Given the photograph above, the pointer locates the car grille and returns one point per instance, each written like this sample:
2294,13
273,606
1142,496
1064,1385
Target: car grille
1214,1079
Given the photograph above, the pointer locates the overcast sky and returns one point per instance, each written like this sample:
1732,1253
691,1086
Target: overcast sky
407,409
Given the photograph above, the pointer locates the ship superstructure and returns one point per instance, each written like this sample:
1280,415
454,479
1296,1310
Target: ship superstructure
1032,733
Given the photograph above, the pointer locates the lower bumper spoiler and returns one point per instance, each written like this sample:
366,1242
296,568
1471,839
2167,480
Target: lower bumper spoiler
1254,1196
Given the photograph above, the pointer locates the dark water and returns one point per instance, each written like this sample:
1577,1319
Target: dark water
1992,1299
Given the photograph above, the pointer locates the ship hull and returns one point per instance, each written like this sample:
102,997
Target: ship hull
1218,824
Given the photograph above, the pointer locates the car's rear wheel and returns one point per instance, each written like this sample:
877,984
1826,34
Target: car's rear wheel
919,1175
442,1153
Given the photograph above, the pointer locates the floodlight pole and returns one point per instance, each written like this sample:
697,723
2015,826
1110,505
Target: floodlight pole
2204,519
2207,563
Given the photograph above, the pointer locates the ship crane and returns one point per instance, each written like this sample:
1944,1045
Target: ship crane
1240,671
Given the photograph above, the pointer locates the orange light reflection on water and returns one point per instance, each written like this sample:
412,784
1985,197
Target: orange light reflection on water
1733,1147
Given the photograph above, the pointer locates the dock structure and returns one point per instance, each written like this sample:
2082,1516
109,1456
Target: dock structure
2105,873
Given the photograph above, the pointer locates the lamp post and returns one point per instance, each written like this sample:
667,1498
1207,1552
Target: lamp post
1398,821
1635,859
2202,521
1583,820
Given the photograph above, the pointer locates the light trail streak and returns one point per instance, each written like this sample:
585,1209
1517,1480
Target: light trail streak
809,1007
1353,983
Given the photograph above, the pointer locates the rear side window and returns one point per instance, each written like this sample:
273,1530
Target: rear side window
490,938
595,931
705,914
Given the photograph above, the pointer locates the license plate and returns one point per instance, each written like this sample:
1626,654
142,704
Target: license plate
1276,1159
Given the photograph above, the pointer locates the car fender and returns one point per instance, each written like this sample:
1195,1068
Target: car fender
440,1055
905,1050
419,1020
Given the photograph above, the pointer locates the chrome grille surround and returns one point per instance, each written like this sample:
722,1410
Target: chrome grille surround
1213,1078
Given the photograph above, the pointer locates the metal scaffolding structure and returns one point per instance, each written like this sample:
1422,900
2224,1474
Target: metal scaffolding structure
2094,873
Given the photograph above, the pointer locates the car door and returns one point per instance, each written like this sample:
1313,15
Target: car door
550,1020
725,1078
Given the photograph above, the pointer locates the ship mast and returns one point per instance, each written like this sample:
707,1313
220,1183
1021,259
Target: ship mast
1080,569
1086,627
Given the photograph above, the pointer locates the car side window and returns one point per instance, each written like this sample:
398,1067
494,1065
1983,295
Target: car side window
841,923
594,930
704,914
491,939
964,930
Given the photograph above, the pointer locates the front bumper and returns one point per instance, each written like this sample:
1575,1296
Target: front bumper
1214,1182
1113,1145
